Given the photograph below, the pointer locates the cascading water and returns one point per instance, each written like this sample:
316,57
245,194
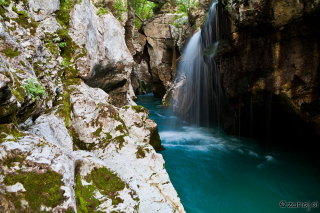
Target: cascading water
213,172
201,104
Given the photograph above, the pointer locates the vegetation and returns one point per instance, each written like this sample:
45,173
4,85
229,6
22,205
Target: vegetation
146,9
102,11
34,88
102,180
120,7
9,129
40,189
11,53
5,3
140,152
139,109
25,21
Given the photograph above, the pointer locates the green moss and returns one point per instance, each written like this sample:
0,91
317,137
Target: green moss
10,161
7,113
121,129
11,53
40,188
139,109
120,140
19,94
77,143
85,200
140,152
64,109
63,15
22,63
5,3
52,47
124,128
97,132
72,81
103,180
155,140
108,136
25,21
9,129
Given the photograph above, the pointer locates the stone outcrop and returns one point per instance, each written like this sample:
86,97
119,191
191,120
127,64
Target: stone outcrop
160,42
166,37
110,61
160,45
141,79
270,70
71,138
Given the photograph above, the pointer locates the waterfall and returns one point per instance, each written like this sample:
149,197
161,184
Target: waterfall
203,98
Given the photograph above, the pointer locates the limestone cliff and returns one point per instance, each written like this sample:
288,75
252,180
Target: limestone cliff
158,45
71,138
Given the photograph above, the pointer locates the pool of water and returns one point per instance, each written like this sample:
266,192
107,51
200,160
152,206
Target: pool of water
213,172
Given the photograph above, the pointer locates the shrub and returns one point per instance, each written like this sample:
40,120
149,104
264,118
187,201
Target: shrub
120,7
34,88
102,11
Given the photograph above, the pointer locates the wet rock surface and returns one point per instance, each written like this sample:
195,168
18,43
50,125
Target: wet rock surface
270,70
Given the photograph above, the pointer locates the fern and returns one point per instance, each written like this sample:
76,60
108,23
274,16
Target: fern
34,88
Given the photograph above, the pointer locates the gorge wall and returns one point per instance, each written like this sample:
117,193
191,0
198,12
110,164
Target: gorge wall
269,66
158,45
270,70
71,138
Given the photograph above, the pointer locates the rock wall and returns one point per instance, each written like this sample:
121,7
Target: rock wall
159,44
71,138
270,69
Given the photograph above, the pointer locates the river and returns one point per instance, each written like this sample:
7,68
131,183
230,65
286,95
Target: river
213,172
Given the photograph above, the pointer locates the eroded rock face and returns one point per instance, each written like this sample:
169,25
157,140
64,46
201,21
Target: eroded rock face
160,45
110,60
271,67
141,79
69,142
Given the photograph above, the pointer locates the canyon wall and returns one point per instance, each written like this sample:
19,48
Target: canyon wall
270,69
71,137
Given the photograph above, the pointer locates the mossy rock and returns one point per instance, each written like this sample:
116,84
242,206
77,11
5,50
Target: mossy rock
139,109
9,130
11,53
103,180
41,189
10,161
155,140
140,152
25,21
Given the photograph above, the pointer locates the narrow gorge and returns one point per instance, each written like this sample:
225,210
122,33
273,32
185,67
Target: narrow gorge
159,106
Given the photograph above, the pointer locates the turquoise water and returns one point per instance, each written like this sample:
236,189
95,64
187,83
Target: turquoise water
213,172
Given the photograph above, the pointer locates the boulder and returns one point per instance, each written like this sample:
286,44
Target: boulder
160,45
110,60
